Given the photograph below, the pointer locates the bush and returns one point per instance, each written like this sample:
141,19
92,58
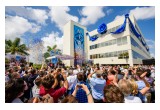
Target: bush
35,66
7,61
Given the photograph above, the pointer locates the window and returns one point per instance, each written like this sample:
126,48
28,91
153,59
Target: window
98,45
102,44
113,41
112,54
106,43
137,55
109,54
90,56
124,40
119,54
106,55
115,54
110,42
95,46
119,41
90,47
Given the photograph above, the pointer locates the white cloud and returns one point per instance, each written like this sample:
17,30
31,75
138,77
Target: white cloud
35,28
151,45
118,16
141,13
109,11
91,14
52,39
16,26
60,16
38,15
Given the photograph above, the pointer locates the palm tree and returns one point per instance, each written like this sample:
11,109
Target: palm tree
49,49
15,47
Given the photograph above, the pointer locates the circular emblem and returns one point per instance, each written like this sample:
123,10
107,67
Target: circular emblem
102,28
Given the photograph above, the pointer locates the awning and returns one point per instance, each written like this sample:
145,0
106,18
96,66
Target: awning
62,57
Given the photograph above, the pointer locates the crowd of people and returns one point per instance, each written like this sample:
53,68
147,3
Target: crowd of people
87,84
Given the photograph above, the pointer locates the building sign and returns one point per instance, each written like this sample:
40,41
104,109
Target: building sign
78,45
54,60
18,58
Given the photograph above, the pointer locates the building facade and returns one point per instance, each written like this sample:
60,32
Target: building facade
122,42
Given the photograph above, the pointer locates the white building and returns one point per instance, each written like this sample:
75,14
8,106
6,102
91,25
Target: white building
109,48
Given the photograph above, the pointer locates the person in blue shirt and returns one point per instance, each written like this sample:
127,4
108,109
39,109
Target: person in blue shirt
81,94
97,85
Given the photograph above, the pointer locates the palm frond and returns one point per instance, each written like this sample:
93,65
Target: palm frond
16,42
54,47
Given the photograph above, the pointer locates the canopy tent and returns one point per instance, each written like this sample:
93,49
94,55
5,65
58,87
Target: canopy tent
62,57
9,56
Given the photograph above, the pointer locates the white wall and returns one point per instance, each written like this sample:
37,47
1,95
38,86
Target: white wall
112,48
68,46
68,43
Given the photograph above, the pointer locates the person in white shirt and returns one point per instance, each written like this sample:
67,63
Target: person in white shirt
72,79
36,87
126,89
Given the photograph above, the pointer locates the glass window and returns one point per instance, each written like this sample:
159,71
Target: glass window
119,41
102,45
101,56
95,45
112,54
109,54
96,56
90,56
110,42
92,46
119,52
113,41
115,54
98,45
106,43
106,54
124,40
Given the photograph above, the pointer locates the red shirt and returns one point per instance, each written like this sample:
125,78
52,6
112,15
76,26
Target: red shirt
108,82
53,93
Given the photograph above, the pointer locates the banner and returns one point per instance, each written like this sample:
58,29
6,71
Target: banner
78,45
52,53
54,60
18,58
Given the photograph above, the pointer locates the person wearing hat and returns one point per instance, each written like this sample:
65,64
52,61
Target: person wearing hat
97,86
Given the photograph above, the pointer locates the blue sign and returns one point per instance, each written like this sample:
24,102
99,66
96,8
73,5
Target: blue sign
18,58
54,60
57,52
78,45
102,28
52,53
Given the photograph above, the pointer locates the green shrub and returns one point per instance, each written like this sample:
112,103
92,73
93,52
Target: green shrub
6,61
35,66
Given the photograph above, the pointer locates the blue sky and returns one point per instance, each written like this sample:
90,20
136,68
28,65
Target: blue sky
46,23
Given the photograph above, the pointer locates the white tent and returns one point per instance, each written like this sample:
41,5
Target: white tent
9,56
62,57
